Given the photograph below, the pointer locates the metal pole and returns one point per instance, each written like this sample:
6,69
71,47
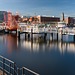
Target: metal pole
9,69
14,69
18,71
3,65
23,71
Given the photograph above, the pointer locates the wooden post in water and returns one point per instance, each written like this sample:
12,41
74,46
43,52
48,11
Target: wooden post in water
45,34
3,30
31,34
52,36
74,38
25,36
57,36
28,35
61,35
3,65
18,33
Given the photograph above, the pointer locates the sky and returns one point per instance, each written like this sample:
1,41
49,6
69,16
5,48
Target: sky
40,7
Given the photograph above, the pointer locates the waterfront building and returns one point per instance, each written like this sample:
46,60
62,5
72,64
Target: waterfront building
43,19
50,20
70,20
2,16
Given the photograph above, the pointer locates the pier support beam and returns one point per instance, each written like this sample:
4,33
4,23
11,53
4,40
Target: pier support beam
31,34
45,34
3,30
25,36
74,38
28,36
18,34
52,36
57,36
61,35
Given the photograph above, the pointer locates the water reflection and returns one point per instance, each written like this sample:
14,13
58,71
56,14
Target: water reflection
12,43
46,57
50,44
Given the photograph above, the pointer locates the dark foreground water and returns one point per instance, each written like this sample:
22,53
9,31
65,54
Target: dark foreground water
46,57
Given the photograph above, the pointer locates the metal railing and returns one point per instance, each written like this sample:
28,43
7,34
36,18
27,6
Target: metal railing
10,68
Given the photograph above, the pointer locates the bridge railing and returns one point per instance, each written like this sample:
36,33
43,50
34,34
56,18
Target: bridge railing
10,68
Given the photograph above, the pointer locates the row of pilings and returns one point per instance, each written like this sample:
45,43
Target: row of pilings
27,34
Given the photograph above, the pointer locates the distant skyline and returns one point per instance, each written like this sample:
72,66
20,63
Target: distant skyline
40,7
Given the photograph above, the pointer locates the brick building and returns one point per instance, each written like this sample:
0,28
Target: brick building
45,19
70,20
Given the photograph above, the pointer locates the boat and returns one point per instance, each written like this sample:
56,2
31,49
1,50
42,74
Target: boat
61,24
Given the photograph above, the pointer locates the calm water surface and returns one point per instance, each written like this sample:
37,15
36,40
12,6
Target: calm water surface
46,57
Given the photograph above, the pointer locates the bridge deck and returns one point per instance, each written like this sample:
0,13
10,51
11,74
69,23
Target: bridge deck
1,73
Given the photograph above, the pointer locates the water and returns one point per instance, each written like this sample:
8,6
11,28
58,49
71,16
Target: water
46,57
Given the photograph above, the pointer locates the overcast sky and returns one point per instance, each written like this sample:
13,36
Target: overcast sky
41,7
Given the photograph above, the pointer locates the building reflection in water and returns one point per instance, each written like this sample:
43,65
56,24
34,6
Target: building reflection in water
11,43
39,44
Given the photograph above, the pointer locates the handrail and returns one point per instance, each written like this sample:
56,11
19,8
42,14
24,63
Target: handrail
6,59
15,71
30,71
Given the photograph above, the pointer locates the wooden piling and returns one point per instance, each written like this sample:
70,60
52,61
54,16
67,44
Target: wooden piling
25,36
74,38
31,34
18,34
52,36
57,36
28,35
61,35
45,34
